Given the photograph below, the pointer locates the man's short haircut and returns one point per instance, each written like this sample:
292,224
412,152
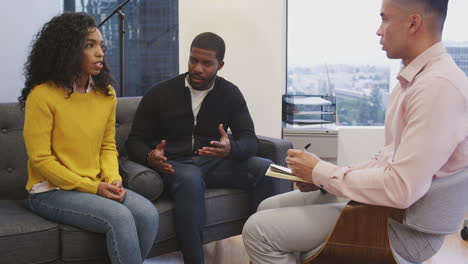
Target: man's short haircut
210,41
437,7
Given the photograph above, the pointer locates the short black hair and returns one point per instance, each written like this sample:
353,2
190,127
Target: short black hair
210,41
438,7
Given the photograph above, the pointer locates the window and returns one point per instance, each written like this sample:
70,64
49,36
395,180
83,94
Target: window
151,40
333,51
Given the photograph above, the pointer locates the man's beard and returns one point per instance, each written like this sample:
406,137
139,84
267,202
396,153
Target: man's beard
205,82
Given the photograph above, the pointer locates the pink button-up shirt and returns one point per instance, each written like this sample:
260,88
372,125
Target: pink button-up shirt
426,137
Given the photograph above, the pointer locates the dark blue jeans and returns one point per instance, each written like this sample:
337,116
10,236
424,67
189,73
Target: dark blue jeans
130,227
187,188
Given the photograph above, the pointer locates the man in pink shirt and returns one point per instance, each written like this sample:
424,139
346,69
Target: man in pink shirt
426,137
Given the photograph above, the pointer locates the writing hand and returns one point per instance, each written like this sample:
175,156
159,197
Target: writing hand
157,159
302,163
111,191
221,149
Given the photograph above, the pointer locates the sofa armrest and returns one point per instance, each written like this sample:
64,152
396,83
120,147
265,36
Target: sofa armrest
276,150
141,179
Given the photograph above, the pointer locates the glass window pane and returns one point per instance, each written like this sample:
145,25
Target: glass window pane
333,50
455,33
151,40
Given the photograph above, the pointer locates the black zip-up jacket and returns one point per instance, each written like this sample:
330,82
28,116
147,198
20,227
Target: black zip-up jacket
165,112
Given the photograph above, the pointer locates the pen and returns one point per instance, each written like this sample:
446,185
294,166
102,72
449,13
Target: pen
321,189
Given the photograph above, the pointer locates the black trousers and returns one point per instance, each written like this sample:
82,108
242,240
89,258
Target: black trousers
186,186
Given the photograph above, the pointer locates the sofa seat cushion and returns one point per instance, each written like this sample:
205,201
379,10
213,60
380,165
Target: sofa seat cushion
26,237
222,206
81,245
226,205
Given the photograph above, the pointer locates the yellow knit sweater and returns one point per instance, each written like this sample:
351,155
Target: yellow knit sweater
70,141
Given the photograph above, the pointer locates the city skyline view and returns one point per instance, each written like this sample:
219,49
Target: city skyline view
336,51
349,30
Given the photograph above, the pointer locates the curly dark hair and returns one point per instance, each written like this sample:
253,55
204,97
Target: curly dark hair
57,53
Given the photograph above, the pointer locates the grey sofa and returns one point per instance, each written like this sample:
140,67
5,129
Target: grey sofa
28,238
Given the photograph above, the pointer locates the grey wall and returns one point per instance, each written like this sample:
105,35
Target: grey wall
20,21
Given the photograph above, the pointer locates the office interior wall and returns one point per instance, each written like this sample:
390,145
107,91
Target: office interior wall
254,32
20,20
358,144
255,36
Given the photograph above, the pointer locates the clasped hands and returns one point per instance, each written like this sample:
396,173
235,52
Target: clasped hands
113,191
302,163
220,149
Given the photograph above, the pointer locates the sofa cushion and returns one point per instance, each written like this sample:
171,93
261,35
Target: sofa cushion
126,108
80,245
141,179
13,158
23,231
226,205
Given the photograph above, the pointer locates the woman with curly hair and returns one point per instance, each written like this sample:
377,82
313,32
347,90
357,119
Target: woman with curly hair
69,131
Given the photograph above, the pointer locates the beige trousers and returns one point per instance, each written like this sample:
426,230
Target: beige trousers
290,224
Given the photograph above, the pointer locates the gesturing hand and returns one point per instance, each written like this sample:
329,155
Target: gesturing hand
111,191
302,163
156,159
221,149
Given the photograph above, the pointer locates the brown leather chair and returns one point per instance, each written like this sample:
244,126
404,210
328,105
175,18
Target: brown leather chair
364,233
360,236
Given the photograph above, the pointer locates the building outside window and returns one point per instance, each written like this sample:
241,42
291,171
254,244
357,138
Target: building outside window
334,51
151,40
459,52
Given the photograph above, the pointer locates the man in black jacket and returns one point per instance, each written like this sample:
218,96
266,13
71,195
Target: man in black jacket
180,130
